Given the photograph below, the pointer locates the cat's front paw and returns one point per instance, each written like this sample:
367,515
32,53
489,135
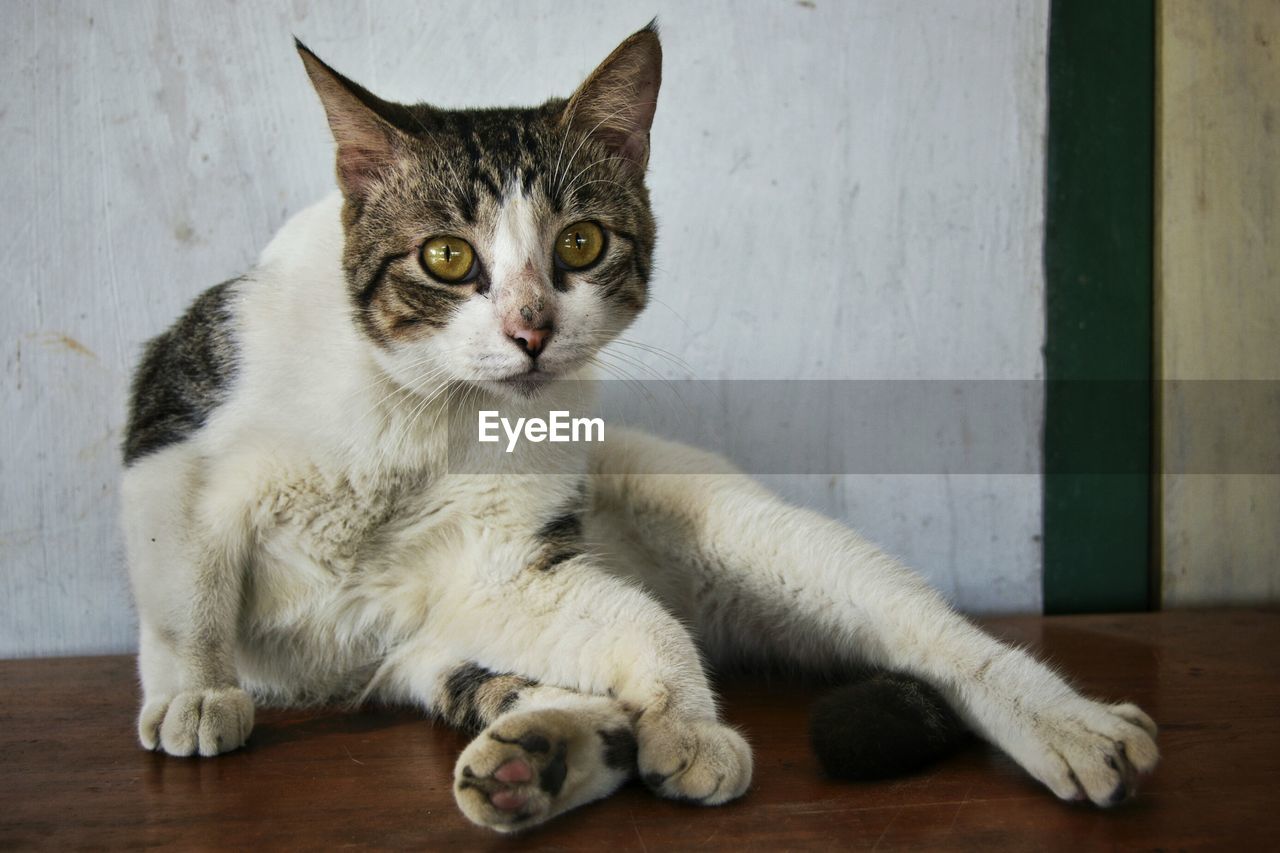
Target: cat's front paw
701,761
1087,750
205,721
530,766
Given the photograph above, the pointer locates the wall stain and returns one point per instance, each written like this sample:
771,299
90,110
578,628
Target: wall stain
185,233
16,368
64,341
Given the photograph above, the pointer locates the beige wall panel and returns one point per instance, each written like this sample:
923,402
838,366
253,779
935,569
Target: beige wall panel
1218,312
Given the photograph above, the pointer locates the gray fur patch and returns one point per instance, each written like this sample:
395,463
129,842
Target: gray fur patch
562,535
185,373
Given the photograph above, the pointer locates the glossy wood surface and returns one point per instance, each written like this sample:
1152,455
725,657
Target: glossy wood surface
73,775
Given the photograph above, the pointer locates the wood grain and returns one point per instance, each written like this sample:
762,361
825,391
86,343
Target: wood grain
74,777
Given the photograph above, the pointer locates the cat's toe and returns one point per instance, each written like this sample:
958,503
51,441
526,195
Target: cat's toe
204,722
149,721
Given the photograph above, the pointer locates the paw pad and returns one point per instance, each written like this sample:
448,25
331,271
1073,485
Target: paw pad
514,771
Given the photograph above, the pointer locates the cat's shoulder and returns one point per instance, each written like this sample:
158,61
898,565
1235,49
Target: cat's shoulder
184,374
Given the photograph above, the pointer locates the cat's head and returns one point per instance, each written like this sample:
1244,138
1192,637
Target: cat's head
498,247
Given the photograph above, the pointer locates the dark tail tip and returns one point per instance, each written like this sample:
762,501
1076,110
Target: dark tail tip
887,725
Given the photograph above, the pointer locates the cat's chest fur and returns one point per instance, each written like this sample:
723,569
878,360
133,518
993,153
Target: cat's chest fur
345,566
332,528
333,542
328,518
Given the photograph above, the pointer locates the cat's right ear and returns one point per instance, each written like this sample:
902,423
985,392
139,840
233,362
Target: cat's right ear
368,145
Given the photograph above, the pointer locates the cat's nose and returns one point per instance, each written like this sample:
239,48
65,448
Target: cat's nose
532,341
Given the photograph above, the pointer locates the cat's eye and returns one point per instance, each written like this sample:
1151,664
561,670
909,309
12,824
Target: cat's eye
449,259
580,245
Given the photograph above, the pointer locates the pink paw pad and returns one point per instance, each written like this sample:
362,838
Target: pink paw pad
508,801
513,772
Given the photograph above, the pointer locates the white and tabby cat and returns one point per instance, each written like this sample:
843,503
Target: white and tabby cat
296,534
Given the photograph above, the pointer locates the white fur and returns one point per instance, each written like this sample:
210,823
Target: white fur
316,541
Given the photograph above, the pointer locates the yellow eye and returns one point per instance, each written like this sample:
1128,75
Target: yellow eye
449,259
579,245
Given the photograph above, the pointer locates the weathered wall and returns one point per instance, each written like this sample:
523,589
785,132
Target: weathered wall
1219,296
151,148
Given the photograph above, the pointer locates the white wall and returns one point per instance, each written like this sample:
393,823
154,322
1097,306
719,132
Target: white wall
151,148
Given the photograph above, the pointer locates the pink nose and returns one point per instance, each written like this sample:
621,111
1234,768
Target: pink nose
532,341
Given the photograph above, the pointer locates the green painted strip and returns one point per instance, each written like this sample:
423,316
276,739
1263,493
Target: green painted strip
1098,264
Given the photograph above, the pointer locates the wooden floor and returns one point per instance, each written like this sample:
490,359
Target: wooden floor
71,774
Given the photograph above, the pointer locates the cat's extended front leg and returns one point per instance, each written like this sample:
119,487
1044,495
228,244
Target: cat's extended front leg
568,626
186,563
773,578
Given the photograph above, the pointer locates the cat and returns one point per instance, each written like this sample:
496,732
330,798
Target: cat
298,529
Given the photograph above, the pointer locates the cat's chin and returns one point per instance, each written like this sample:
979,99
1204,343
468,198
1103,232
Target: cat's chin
523,386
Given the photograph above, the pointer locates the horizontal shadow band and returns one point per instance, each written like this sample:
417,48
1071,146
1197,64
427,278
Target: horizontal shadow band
886,427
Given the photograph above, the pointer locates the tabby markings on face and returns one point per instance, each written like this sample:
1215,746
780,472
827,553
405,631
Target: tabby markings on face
495,246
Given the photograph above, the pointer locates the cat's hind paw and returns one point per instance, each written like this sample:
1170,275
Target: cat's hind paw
530,766
700,761
1088,750
207,722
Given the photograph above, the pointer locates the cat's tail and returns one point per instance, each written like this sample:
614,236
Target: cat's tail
887,724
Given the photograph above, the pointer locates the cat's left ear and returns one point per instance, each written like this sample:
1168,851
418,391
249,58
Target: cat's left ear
368,144
616,103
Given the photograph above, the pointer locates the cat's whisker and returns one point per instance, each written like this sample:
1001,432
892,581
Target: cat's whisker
674,312
568,123
389,448
606,368
656,376
666,382
635,362
657,351
385,419
623,375
597,126
592,165
397,389
597,181
391,451
400,388
419,361
605,337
